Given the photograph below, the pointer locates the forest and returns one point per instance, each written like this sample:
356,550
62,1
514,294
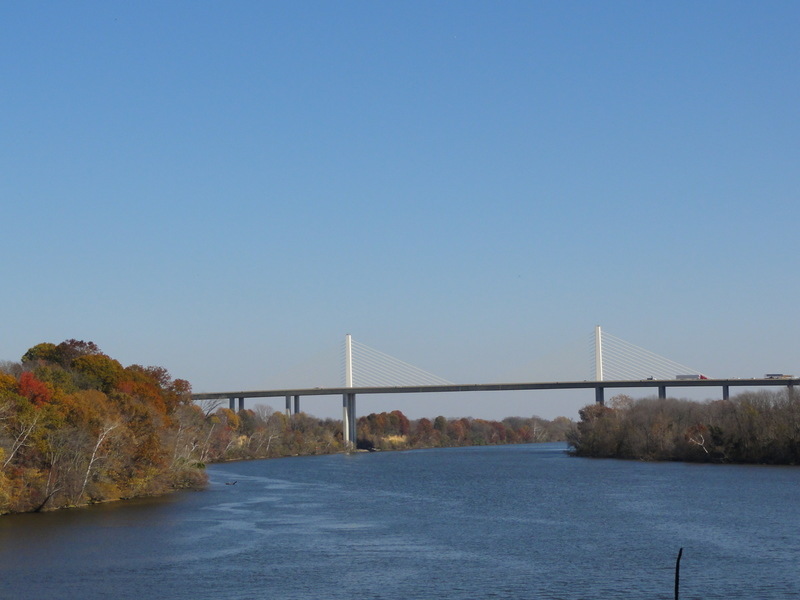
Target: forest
77,427
761,427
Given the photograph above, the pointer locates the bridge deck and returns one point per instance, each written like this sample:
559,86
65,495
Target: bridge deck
499,387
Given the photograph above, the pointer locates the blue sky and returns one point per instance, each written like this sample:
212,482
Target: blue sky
227,189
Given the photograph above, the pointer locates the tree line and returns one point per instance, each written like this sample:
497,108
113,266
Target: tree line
265,433
76,427
761,427
393,431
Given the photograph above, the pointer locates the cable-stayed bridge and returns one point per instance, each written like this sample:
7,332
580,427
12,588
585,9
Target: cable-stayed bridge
617,364
368,367
616,359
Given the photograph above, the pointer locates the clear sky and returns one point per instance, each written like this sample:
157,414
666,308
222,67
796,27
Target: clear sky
226,189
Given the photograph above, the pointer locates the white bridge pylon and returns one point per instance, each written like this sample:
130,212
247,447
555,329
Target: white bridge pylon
367,367
616,359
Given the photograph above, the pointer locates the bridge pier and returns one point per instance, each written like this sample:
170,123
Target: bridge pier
296,404
662,392
349,421
599,395
726,392
288,406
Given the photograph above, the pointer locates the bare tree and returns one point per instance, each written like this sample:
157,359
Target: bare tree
10,368
101,437
209,406
26,424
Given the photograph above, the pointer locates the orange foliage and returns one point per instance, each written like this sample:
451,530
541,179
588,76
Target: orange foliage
85,407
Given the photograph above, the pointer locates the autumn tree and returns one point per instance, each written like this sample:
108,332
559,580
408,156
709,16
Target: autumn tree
34,390
104,372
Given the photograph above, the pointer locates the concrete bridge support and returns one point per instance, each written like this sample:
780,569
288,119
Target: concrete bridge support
726,392
289,410
599,395
662,392
349,420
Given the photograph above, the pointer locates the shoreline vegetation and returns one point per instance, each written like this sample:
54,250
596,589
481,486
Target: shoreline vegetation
78,428
761,427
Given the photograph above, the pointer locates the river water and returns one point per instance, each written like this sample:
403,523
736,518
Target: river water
510,522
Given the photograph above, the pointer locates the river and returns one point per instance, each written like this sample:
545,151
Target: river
510,522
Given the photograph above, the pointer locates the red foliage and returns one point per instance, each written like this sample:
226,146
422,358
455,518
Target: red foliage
34,390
